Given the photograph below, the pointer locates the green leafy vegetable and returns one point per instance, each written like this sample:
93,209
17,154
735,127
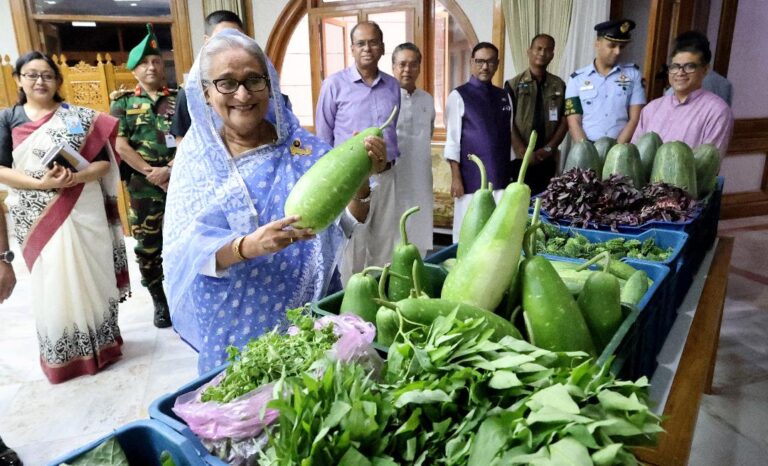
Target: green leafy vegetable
166,459
271,356
109,453
449,395
573,244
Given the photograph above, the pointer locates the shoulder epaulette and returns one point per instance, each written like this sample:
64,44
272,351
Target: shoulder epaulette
574,74
118,93
630,65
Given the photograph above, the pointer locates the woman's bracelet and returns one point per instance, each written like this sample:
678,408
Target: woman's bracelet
236,248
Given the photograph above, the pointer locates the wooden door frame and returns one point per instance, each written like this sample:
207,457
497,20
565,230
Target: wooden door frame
27,39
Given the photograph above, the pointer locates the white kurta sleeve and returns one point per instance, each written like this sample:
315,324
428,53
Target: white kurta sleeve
454,112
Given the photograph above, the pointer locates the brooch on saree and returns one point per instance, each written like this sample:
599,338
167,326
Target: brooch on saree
296,148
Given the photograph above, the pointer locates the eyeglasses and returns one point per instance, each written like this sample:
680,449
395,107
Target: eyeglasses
491,62
34,77
374,43
230,85
675,68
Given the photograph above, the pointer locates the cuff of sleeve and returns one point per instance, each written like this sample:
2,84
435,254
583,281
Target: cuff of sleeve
209,269
348,223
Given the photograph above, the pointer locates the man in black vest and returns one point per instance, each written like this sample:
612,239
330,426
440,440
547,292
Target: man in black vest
478,121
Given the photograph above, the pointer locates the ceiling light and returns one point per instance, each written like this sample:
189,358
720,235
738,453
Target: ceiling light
84,24
50,2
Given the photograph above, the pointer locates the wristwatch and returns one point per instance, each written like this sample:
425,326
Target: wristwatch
7,256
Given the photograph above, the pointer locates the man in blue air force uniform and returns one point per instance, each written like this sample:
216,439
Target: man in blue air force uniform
605,97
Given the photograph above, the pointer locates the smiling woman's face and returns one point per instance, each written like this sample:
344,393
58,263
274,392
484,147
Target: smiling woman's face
243,110
43,89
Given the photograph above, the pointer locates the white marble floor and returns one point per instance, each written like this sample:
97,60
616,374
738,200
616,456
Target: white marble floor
42,421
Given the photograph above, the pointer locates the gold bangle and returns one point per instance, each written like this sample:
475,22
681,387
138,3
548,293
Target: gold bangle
236,251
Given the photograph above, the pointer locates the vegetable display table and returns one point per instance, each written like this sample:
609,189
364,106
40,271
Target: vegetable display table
687,361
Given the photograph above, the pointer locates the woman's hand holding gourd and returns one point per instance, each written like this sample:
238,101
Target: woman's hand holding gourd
273,237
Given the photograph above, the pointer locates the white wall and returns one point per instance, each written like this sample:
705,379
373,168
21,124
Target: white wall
196,25
7,37
266,14
639,12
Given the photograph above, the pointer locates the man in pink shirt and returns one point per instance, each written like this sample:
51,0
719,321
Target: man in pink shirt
691,114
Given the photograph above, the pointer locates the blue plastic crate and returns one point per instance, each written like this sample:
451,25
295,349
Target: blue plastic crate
143,442
448,252
701,238
711,205
639,339
161,411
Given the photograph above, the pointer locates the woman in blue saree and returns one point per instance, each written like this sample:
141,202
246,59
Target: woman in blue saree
234,263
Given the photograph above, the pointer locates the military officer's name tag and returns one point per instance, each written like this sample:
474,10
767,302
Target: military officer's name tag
170,141
587,87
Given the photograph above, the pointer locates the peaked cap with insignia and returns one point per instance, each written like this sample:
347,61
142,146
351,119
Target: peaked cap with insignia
616,31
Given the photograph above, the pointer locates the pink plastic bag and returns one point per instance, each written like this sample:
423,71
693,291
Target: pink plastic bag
246,416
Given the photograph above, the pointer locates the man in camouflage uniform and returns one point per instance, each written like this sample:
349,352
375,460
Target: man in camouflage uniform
147,149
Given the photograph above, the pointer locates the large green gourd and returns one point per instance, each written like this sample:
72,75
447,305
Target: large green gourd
583,155
479,211
323,192
674,164
707,159
647,145
485,273
624,160
603,145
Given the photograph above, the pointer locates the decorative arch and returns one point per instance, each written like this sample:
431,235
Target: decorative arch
294,10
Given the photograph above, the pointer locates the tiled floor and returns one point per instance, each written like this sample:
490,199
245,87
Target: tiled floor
42,421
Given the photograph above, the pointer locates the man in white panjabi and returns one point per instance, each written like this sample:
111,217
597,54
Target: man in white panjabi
415,124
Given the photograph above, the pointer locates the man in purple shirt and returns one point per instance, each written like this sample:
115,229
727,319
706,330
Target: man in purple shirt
352,100
691,114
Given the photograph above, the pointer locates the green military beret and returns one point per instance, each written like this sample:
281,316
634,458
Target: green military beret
148,46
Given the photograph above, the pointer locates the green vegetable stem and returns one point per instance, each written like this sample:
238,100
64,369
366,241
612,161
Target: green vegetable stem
406,262
480,209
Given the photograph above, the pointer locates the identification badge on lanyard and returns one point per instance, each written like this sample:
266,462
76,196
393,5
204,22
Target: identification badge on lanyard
72,123
170,141
553,114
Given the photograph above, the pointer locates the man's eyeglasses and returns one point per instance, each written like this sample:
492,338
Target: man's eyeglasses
375,43
675,68
230,85
491,62
34,76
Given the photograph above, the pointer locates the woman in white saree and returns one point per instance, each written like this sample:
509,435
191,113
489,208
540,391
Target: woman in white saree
65,221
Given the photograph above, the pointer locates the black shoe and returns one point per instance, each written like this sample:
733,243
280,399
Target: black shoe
162,315
8,457
162,318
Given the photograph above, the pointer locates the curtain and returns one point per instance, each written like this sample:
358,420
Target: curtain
235,6
520,18
555,19
579,48
525,18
